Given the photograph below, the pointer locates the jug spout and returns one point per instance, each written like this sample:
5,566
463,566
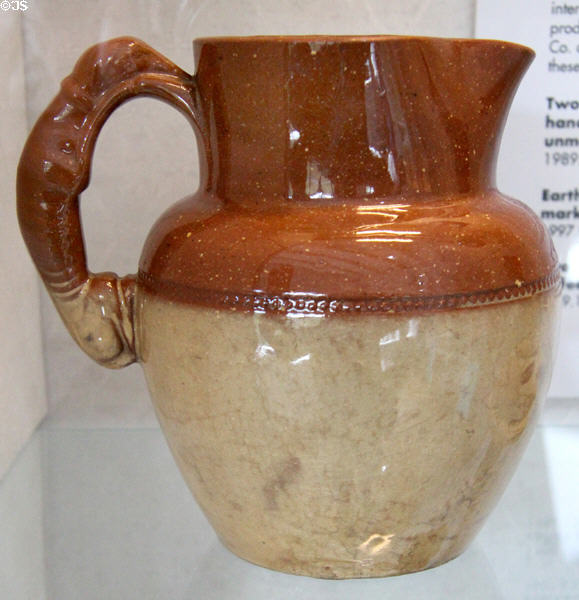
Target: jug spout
449,100
304,118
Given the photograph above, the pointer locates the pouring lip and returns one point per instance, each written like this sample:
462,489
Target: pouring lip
353,39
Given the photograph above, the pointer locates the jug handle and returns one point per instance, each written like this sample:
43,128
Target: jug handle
97,308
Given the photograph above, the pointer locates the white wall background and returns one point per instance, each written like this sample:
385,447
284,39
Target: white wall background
22,393
145,160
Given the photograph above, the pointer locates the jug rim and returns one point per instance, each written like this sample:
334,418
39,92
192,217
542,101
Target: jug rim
353,39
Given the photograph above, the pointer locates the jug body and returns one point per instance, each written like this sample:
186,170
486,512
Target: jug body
347,332
341,435
351,445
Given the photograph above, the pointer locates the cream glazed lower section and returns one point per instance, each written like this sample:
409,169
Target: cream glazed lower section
347,446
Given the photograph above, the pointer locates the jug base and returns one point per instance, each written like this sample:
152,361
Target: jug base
342,569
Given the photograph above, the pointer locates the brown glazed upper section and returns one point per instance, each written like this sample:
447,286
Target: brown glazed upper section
350,173
337,174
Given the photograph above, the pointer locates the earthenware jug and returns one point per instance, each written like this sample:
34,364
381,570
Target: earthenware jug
347,330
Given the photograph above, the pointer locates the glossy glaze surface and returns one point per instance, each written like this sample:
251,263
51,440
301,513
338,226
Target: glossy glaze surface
299,119
349,174
400,255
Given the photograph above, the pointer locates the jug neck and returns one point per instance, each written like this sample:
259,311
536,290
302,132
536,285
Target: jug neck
301,119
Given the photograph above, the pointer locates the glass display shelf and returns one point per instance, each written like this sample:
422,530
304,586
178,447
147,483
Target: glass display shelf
104,514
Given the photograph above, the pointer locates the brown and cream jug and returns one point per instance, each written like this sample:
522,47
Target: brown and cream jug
347,331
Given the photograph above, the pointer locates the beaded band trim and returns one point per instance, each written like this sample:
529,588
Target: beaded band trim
296,303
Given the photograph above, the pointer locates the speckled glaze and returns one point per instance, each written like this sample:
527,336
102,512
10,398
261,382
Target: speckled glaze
347,330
